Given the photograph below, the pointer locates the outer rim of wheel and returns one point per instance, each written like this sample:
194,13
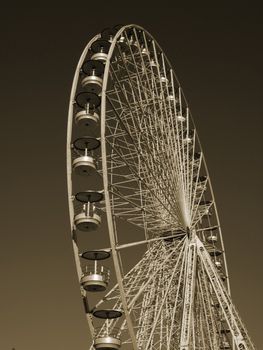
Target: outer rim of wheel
69,167
105,171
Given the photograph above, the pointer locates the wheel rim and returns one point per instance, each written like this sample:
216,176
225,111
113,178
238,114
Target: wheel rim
145,123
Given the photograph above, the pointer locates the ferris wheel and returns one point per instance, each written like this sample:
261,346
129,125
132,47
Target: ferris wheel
146,235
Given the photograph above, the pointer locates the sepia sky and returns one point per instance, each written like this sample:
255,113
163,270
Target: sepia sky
217,54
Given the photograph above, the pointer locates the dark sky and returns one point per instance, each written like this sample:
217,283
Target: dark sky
217,54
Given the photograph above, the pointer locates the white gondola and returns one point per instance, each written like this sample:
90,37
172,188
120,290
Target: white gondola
218,264
170,97
108,337
212,238
87,118
180,118
107,343
145,52
93,82
95,277
164,80
187,140
88,219
87,222
93,69
154,66
84,165
100,56
100,50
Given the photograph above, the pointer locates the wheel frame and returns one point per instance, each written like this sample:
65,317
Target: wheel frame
110,221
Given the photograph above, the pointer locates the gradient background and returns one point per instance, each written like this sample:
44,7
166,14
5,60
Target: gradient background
217,54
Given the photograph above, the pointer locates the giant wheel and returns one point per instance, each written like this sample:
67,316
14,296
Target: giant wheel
138,185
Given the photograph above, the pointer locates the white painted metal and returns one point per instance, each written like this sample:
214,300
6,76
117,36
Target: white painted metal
189,291
155,178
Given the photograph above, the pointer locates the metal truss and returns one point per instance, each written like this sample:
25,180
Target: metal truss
177,300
